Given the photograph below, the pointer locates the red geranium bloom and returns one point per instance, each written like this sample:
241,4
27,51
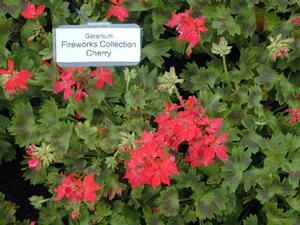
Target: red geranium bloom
118,10
75,190
104,76
188,28
150,164
16,79
296,21
65,84
32,11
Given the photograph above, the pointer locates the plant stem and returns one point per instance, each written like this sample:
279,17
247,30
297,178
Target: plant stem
178,95
226,71
185,199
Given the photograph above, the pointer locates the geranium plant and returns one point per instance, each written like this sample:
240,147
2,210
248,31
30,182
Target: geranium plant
205,130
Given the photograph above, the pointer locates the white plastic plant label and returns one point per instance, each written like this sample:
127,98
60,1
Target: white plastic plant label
97,44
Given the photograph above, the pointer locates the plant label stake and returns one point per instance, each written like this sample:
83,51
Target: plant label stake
97,44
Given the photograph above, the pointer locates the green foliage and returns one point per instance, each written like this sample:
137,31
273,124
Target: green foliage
24,125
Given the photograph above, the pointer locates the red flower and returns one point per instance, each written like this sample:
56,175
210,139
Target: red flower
74,214
75,190
104,76
188,28
296,21
150,164
90,188
118,10
16,79
65,84
32,11
79,93
295,114
71,187
33,163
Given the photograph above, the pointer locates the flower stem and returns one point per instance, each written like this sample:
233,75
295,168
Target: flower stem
226,71
178,95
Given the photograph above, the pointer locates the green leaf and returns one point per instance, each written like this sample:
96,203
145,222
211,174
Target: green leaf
5,29
223,21
135,97
279,216
285,91
293,168
155,51
210,204
188,180
59,137
23,125
7,211
169,202
250,220
59,12
12,7
143,6
255,96
246,19
87,133
267,77
272,189
50,114
234,167
51,215
102,211
159,20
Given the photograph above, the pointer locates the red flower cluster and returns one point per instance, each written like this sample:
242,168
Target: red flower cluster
16,80
72,77
76,191
118,10
188,28
34,162
31,11
151,164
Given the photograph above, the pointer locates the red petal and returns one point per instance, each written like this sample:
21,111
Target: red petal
24,74
296,21
155,181
4,72
221,152
27,15
68,92
10,65
29,12
99,83
40,10
10,86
